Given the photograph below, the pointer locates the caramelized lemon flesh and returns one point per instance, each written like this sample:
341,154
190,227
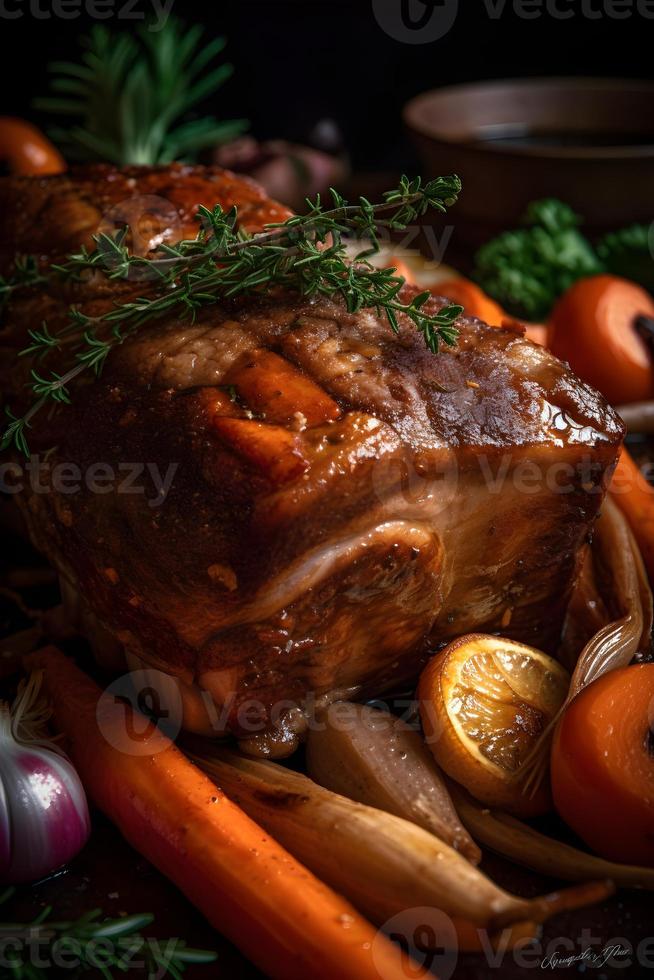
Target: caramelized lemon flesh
484,703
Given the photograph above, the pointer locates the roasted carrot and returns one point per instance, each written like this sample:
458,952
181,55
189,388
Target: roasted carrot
215,403
285,920
594,327
538,333
602,766
26,150
272,449
401,268
474,300
635,498
273,387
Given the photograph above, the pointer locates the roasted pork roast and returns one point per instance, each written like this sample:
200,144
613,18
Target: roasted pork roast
338,501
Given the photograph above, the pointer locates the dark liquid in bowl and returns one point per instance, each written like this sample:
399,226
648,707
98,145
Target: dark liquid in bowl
521,136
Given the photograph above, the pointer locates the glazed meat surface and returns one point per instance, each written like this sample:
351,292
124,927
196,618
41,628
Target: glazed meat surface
342,501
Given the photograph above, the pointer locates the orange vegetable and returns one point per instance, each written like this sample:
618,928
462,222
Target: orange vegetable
401,268
26,150
603,765
289,923
593,328
276,389
635,498
474,300
272,449
538,333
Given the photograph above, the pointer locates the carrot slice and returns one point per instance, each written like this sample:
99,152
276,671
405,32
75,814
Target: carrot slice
272,449
273,387
635,498
26,150
289,923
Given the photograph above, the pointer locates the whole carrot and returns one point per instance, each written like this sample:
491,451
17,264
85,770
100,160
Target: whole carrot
284,919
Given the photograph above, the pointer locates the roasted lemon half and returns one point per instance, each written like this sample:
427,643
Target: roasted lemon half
485,703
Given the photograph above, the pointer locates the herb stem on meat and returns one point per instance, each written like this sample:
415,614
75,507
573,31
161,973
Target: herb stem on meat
306,253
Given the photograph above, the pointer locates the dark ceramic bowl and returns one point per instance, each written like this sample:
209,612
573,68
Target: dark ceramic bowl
587,141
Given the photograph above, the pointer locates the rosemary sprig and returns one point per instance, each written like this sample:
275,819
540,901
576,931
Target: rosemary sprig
133,95
97,943
306,254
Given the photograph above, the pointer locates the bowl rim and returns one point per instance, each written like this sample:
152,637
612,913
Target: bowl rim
414,119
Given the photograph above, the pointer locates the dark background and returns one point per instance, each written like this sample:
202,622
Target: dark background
299,61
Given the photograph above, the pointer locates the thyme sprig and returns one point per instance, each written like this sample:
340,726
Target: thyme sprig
26,273
306,254
97,943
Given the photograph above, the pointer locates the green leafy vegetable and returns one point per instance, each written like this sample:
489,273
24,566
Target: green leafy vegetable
628,253
528,269
134,95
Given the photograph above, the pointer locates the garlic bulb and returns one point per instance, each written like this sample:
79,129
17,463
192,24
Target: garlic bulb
44,816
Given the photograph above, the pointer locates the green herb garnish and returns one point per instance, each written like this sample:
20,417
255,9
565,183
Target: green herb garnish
26,273
527,270
306,254
628,253
134,94
95,943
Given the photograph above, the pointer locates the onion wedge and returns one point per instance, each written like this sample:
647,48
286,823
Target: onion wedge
628,596
373,757
518,841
